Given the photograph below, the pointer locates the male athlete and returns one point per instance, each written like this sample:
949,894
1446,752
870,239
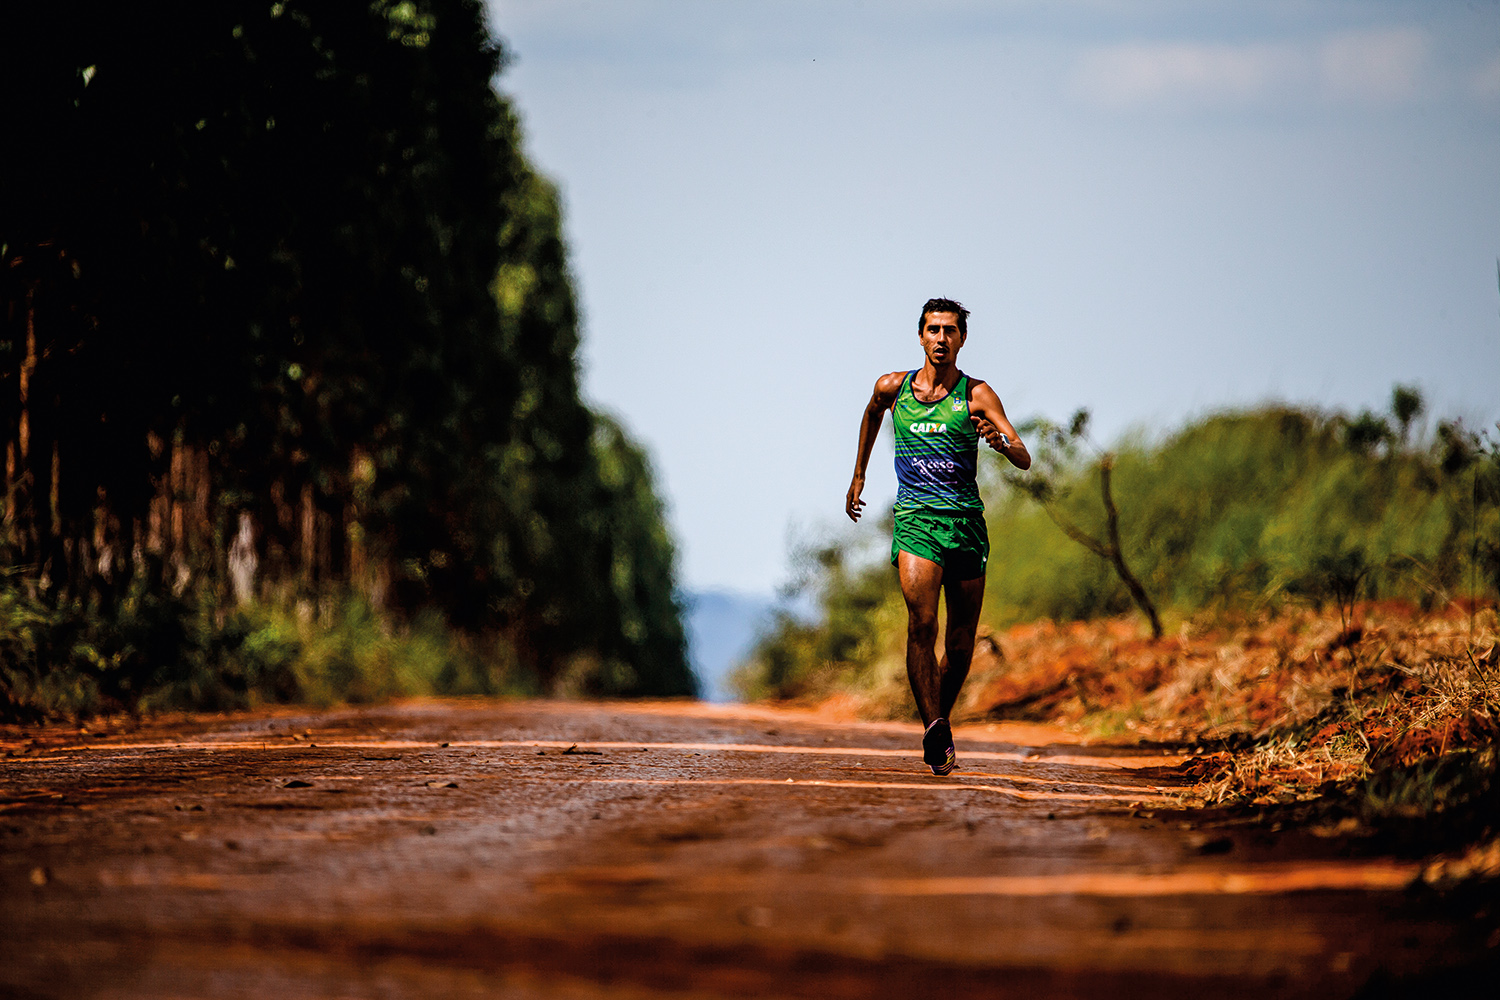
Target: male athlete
940,542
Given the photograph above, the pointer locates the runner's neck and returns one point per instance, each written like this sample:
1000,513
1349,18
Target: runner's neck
935,377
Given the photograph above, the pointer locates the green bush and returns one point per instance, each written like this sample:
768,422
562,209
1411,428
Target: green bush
157,654
1239,510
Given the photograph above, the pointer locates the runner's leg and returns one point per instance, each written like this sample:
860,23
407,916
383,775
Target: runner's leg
965,597
921,583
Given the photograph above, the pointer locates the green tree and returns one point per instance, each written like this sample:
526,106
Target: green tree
288,262
1056,475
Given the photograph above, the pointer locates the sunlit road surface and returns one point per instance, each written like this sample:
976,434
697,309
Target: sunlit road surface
524,849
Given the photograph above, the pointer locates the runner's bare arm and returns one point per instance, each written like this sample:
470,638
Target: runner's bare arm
886,388
990,420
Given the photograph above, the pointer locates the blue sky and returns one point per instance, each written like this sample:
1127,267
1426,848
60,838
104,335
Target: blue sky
1154,209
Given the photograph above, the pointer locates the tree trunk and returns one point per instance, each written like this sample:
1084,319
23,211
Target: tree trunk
242,560
307,541
22,488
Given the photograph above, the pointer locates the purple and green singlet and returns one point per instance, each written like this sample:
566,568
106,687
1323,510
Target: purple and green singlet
936,451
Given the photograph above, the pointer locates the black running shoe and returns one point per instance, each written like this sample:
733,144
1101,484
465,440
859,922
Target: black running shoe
937,747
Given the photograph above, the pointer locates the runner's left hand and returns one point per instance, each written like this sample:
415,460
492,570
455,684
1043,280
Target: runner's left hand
988,431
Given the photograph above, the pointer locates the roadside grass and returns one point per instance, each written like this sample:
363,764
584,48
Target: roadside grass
164,654
1398,707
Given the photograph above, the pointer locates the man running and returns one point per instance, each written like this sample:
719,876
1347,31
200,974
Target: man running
940,543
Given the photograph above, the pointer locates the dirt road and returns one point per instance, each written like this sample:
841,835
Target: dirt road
529,849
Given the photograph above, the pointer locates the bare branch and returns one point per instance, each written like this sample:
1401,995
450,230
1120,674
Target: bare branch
1117,554
1074,532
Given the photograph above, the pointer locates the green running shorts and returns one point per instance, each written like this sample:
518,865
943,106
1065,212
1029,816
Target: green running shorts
959,541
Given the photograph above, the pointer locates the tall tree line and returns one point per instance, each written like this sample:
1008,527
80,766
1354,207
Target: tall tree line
285,313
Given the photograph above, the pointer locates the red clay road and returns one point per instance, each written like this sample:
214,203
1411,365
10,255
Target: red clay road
543,849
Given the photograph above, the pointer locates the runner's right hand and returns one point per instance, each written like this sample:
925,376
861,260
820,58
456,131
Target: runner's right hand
852,502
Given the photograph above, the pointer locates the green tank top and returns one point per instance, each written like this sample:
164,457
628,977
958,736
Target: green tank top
936,450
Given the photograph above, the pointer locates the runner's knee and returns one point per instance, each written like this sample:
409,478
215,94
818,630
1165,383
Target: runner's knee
921,628
959,642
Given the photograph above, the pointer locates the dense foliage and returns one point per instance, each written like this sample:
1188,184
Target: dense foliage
1236,511
285,320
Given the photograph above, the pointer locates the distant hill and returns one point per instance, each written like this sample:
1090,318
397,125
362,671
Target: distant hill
721,627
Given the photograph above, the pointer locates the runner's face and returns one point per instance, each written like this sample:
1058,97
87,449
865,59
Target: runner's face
940,337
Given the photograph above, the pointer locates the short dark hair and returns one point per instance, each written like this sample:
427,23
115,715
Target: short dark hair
945,306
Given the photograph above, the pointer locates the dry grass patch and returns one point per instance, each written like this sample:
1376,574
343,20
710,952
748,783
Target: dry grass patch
1393,710
1395,713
